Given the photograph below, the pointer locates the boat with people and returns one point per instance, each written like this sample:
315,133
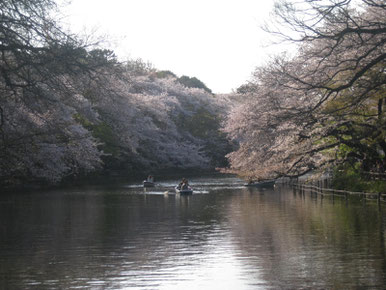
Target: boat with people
149,182
184,188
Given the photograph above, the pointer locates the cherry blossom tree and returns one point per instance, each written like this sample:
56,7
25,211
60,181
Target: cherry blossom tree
323,106
152,120
39,139
68,109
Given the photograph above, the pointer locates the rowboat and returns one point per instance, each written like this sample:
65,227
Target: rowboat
148,183
187,191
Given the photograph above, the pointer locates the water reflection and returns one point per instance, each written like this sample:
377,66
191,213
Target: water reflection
224,236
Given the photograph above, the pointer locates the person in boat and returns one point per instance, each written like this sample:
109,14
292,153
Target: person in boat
150,178
184,184
179,186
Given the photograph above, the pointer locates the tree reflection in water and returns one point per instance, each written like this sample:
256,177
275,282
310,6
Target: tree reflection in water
223,236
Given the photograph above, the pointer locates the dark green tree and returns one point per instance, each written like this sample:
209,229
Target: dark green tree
193,82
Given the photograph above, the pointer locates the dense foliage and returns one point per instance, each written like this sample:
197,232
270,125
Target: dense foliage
322,107
67,110
193,83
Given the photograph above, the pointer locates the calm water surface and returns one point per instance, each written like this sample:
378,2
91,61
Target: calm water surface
224,236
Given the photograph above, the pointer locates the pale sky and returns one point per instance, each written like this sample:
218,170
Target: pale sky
218,41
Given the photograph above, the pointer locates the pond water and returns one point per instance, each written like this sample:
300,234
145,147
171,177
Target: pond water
224,236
